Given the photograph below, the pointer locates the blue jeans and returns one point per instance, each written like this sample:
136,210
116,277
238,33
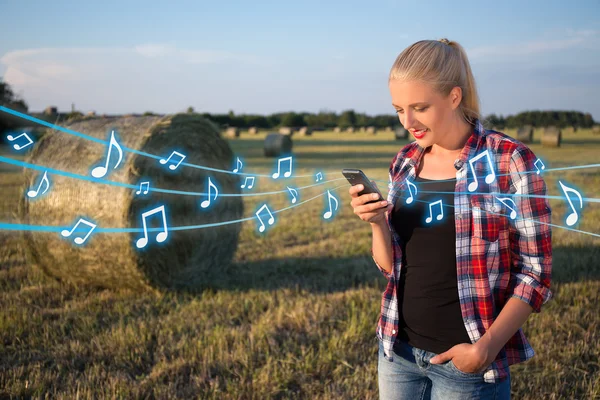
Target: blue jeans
410,376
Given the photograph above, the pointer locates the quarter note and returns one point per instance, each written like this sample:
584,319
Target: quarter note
439,216
79,240
513,211
239,166
251,178
270,221
161,236
206,203
34,193
573,217
101,171
173,167
538,168
17,146
147,185
489,177
319,177
411,196
287,173
329,213
294,196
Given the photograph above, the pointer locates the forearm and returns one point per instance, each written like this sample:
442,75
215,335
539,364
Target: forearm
382,245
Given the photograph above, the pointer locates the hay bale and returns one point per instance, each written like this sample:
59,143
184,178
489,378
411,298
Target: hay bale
337,129
401,133
305,131
371,130
188,259
350,129
286,130
551,137
388,129
277,144
51,111
596,129
571,129
253,130
525,134
232,132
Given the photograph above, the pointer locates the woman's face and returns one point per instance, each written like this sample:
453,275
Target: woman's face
421,109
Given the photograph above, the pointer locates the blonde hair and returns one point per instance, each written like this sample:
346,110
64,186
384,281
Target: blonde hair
443,64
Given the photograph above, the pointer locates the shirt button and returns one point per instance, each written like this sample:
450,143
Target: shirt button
393,332
460,252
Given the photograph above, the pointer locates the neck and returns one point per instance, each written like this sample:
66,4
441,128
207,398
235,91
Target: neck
454,141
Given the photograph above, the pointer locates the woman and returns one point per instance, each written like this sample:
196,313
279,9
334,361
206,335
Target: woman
462,238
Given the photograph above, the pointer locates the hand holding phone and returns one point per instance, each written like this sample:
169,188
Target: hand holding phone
367,201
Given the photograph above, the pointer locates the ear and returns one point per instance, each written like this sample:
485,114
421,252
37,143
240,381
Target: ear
455,97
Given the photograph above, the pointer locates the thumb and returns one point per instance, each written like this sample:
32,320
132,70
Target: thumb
441,358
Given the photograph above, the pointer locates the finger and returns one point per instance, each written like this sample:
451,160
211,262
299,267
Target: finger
355,189
441,358
365,198
368,208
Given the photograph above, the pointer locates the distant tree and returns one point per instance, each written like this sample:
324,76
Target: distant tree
347,118
293,119
190,109
10,100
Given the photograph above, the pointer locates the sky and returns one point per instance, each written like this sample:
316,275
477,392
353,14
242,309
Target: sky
262,57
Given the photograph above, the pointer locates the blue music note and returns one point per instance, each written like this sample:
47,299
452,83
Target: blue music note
513,211
538,169
271,220
319,177
410,197
101,171
287,173
251,185
206,203
239,166
79,240
294,196
439,216
142,184
573,217
489,177
161,236
18,146
329,213
173,167
34,193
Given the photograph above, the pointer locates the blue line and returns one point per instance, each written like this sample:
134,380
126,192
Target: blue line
585,199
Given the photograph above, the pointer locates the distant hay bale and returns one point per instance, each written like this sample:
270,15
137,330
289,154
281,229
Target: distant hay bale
388,129
551,137
51,110
232,132
362,129
305,131
525,134
596,129
337,129
401,133
188,259
253,130
286,130
371,130
350,129
277,144
571,129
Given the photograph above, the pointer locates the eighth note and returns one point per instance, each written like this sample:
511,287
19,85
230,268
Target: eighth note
538,168
18,146
206,203
271,219
319,177
489,178
161,236
142,184
440,215
173,167
513,212
329,213
251,178
239,166
101,171
287,173
294,196
573,217
79,240
34,193
411,196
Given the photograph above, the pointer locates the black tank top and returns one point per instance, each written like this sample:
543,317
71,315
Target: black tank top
428,304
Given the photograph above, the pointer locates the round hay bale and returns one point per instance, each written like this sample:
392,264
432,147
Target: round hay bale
253,130
525,134
305,131
189,259
388,129
277,144
337,129
371,130
401,133
350,129
551,137
286,130
570,129
51,111
232,132
596,129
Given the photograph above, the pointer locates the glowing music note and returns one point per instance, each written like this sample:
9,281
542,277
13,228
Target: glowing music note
294,196
271,219
173,167
206,203
410,197
287,173
34,193
536,167
319,177
439,216
251,178
239,167
329,213
79,240
142,184
489,177
161,236
513,212
573,217
18,146
101,171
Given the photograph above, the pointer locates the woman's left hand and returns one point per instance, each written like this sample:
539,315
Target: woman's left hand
469,358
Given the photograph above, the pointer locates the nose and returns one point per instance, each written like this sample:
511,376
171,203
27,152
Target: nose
408,121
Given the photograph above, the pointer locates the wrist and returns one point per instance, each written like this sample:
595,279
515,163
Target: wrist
487,345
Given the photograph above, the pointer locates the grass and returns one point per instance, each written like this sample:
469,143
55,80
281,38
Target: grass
295,315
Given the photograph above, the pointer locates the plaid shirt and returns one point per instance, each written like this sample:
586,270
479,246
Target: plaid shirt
496,257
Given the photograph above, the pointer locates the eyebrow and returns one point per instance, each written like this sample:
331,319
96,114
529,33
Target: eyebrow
413,104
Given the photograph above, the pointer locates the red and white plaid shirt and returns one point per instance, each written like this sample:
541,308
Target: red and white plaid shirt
497,257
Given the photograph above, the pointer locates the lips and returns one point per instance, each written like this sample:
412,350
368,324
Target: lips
419,133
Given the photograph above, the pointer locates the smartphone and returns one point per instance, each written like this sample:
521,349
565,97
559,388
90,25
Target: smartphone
357,177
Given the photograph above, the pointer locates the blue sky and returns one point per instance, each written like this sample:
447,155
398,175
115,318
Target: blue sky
264,57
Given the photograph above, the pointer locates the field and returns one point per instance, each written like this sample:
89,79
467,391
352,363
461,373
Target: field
295,315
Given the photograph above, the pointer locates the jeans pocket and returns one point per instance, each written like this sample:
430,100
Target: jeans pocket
455,369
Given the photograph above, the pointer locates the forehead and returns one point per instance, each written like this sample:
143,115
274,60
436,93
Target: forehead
409,93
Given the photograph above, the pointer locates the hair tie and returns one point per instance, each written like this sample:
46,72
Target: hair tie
445,41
